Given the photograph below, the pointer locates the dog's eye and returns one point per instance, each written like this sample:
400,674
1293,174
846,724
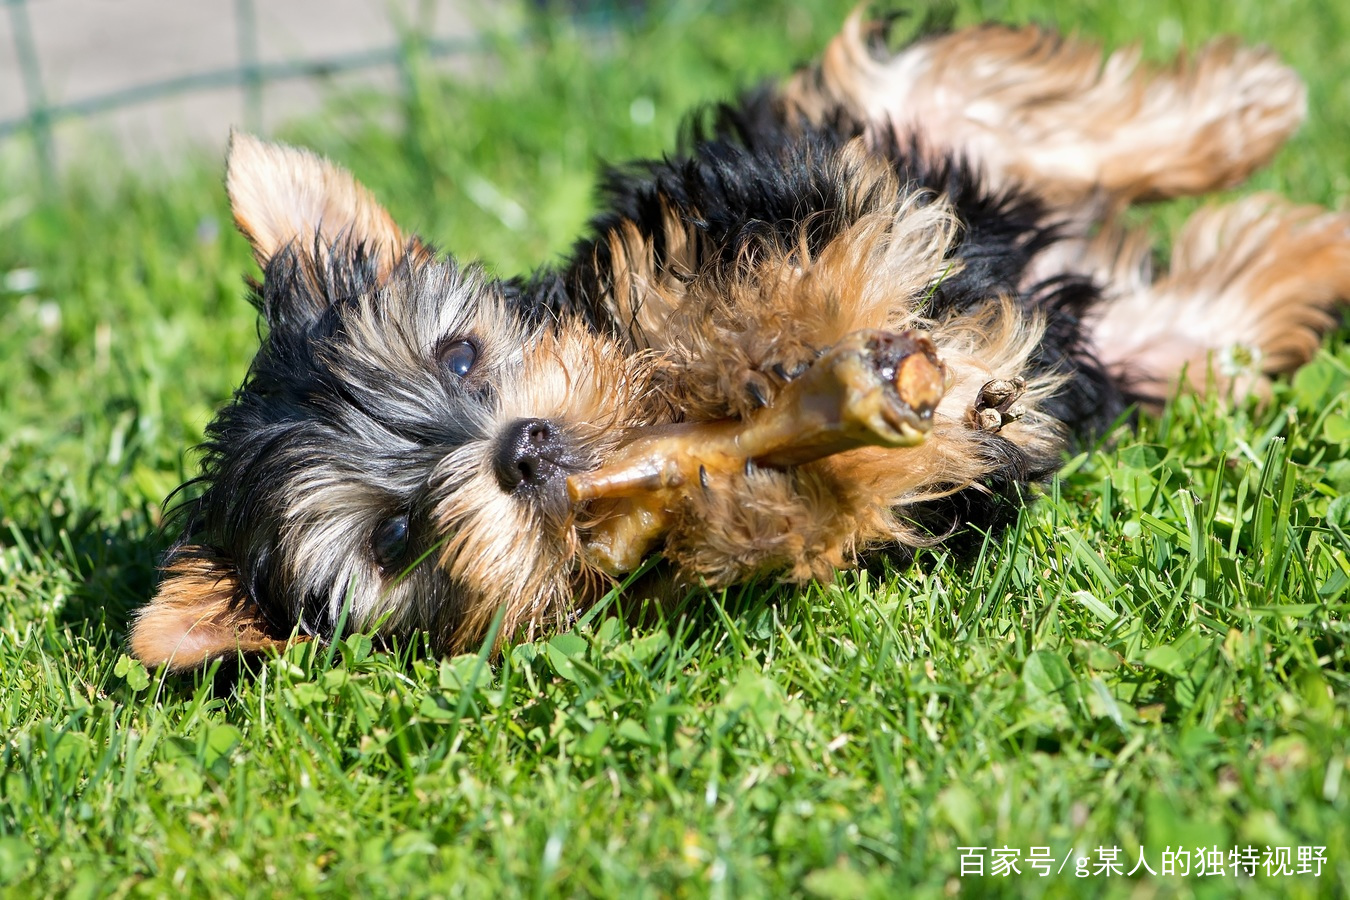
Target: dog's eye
458,357
389,543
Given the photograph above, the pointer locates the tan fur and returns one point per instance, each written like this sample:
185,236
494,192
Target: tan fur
1054,114
643,295
796,524
1118,259
196,617
1252,288
284,195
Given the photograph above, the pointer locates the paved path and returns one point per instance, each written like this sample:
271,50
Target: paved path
88,48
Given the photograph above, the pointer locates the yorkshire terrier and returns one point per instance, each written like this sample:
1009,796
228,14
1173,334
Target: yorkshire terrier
861,310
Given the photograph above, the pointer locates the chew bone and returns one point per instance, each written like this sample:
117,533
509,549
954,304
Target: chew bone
873,388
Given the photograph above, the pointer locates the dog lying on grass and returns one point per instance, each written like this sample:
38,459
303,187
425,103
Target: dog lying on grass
861,310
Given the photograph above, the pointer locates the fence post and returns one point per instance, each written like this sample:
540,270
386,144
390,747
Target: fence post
39,117
246,29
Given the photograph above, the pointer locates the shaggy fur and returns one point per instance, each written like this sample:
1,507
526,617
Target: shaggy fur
398,457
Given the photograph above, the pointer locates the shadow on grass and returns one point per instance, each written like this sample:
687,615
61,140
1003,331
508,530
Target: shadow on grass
107,570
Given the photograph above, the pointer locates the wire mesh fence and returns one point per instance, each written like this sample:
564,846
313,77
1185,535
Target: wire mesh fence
250,73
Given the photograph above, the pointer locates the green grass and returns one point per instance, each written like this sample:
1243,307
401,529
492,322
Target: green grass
1154,656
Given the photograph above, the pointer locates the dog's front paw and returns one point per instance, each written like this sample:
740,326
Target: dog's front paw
762,384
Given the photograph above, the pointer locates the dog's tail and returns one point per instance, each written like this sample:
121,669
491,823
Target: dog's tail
1252,288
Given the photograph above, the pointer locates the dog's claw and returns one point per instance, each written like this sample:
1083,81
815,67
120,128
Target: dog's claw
759,392
995,407
787,373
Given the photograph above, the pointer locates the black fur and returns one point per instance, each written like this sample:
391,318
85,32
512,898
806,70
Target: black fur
747,177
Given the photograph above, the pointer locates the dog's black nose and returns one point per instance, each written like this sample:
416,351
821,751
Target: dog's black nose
528,453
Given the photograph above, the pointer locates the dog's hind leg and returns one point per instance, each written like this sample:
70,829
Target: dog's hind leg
1055,115
1252,288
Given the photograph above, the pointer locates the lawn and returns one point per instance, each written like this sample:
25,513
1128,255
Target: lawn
1154,659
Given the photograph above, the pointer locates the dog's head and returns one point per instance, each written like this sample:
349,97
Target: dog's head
400,444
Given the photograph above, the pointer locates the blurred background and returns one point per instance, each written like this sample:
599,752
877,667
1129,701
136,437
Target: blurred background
153,75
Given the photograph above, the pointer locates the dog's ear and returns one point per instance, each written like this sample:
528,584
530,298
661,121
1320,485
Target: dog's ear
199,614
287,197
